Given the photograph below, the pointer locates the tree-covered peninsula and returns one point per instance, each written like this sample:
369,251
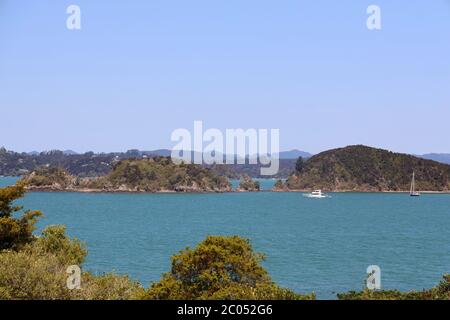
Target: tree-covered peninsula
157,174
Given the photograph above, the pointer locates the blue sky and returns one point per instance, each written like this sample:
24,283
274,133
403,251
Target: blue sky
137,70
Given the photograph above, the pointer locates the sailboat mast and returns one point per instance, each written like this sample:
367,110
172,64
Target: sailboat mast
414,193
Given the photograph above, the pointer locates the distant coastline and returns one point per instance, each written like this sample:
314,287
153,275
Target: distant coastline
99,191
350,169
34,189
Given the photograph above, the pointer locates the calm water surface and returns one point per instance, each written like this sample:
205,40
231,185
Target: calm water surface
321,245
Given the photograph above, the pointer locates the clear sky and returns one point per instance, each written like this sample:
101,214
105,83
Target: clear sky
137,70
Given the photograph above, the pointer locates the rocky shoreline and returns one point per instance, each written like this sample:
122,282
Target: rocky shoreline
121,189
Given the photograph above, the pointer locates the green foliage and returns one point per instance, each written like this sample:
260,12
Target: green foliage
7,196
218,268
442,290
15,232
235,171
143,175
107,287
299,165
161,174
83,165
90,165
35,267
38,272
25,275
261,291
50,177
361,168
54,241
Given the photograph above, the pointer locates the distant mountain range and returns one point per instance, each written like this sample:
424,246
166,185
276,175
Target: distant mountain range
292,154
91,164
439,157
65,152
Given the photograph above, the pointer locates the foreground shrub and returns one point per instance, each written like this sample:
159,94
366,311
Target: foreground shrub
38,272
54,241
34,268
218,268
107,287
15,232
25,276
265,291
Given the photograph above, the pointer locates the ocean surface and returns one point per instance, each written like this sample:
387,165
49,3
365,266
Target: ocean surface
320,245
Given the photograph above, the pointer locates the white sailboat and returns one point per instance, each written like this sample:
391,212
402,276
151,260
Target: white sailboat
413,192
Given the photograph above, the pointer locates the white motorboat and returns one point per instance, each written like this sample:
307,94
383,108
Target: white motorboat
316,194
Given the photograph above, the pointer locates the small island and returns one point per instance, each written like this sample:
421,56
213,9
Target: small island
247,184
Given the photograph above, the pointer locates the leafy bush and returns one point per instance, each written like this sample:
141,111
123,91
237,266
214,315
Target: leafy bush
109,286
218,268
15,232
25,275
35,267
38,271
54,241
265,291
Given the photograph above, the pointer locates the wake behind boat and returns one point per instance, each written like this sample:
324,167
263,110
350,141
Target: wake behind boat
316,194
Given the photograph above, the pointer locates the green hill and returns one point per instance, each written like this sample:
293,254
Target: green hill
158,174
361,168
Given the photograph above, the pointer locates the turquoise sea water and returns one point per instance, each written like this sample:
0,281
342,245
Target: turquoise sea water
321,245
